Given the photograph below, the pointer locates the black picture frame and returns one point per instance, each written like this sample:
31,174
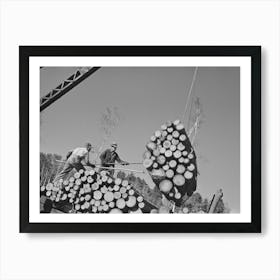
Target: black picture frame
254,52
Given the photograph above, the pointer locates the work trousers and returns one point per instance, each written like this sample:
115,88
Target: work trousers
68,167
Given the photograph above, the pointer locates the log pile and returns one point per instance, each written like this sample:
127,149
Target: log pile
91,192
153,197
171,161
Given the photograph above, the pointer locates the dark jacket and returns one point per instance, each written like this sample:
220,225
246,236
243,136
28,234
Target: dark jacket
108,158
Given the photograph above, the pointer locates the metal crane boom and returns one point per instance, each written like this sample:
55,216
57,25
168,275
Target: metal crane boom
81,74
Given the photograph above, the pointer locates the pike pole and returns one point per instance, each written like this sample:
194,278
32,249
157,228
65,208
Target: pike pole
99,164
125,169
114,168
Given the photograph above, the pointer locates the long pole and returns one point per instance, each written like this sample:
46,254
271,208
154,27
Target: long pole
99,164
115,168
125,169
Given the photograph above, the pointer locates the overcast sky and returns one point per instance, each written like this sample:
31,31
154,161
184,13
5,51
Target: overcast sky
146,98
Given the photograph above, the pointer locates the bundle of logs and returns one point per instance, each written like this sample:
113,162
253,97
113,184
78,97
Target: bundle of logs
91,192
171,162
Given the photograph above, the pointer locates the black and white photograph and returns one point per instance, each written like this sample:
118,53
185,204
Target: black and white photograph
142,133
140,140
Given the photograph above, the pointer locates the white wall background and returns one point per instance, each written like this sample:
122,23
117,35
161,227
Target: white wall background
138,256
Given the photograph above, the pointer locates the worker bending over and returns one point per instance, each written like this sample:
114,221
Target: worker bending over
109,157
76,159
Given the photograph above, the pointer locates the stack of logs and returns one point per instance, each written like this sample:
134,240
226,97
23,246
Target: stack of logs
91,192
171,162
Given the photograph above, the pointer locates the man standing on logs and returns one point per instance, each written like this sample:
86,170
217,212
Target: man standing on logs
75,159
109,157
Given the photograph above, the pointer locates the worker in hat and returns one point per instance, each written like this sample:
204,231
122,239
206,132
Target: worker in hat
109,157
76,159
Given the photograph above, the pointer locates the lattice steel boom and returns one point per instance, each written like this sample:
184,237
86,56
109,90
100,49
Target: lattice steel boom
81,74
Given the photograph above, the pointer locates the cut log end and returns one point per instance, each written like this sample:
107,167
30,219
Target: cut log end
165,186
179,180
